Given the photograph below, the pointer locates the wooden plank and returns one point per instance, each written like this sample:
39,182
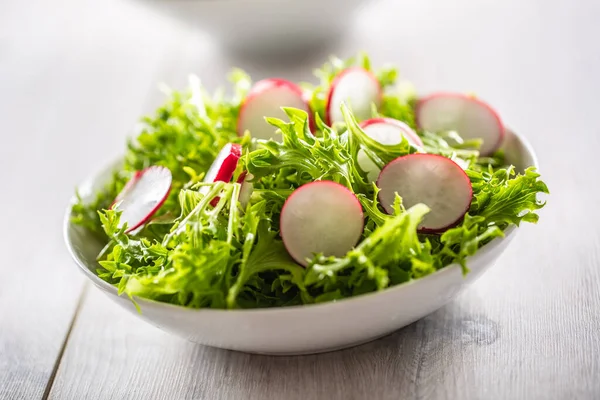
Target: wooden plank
501,339
52,124
38,290
480,346
528,329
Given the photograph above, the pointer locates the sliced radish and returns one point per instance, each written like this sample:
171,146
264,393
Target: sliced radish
467,115
143,195
265,100
386,131
431,179
223,167
389,131
246,189
320,217
356,87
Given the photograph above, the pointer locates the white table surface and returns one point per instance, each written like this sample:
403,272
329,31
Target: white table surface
75,75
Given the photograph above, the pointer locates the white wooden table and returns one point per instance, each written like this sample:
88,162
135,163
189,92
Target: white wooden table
75,75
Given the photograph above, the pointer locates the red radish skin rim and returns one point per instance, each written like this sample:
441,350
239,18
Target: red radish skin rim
228,166
236,150
130,183
391,121
266,84
454,165
225,174
495,114
242,177
358,205
336,81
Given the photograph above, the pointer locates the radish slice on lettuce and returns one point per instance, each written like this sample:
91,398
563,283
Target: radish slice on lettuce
265,100
431,179
470,117
143,196
356,87
320,217
386,131
223,167
389,131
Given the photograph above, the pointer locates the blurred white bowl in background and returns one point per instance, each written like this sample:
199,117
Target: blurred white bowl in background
265,26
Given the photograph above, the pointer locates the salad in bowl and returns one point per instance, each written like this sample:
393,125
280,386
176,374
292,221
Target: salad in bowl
287,194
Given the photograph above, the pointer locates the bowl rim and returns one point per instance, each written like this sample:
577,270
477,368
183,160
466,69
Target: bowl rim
107,287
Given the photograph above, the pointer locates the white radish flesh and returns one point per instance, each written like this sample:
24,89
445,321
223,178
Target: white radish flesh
470,117
246,189
143,196
386,131
356,87
265,100
320,217
390,131
433,180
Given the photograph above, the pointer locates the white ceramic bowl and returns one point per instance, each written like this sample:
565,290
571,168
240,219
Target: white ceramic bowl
310,328
264,26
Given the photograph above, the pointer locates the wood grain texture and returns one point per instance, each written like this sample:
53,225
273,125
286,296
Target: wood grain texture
75,79
51,72
38,290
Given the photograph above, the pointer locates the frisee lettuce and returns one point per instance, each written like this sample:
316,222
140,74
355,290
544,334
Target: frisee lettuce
198,255
397,102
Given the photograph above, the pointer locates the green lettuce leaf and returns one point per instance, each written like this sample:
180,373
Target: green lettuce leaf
204,250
